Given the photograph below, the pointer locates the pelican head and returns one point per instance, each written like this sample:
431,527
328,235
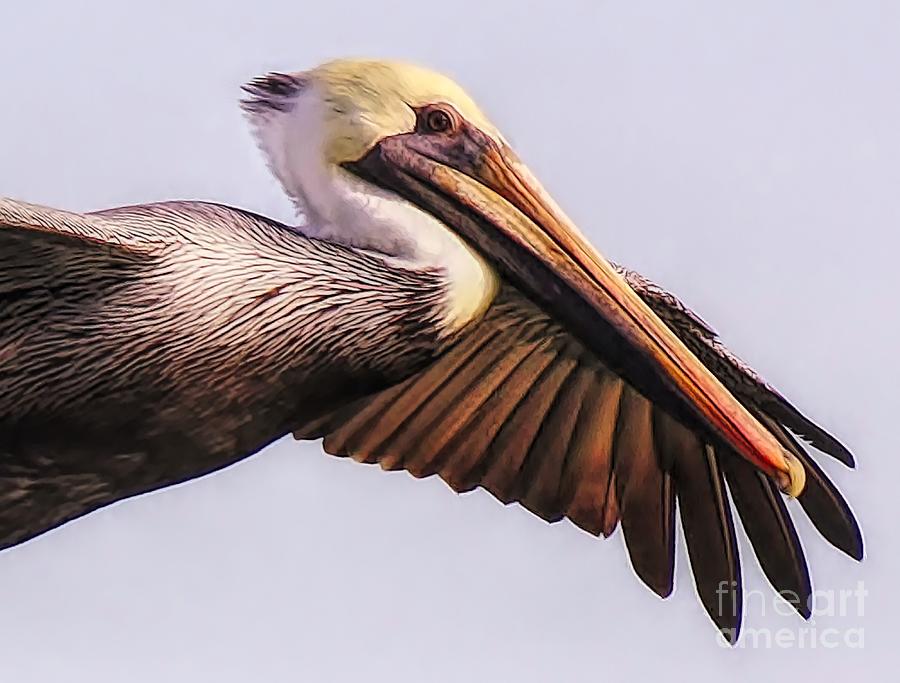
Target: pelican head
333,115
396,145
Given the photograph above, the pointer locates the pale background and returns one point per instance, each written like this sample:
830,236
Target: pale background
747,155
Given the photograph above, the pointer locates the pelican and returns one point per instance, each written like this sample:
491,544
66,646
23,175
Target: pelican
434,311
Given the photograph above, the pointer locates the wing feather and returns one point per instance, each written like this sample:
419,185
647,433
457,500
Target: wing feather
29,223
546,462
513,442
588,494
768,524
645,493
524,410
466,456
821,501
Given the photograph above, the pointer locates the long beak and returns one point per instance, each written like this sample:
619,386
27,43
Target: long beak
511,218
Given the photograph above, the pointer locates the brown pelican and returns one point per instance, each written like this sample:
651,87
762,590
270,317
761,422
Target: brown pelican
434,312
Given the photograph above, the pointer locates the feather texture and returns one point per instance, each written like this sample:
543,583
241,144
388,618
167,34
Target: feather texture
286,333
519,407
148,345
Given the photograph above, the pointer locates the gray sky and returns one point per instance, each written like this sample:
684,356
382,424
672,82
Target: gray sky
746,155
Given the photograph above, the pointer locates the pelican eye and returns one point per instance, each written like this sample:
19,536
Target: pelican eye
438,121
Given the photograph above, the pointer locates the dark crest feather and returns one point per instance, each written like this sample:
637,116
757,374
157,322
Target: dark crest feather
273,92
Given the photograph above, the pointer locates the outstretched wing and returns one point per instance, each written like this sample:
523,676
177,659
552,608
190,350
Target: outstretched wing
148,345
524,410
54,266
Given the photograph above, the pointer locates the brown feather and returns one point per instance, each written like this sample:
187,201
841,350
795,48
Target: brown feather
587,492
646,495
706,519
464,458
370,435
419,439
544,466
534,417
513,442
768,524
820,499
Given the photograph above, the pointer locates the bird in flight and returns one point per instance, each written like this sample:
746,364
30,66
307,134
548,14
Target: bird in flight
434,311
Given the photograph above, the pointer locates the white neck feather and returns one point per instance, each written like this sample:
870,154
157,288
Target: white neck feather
339,207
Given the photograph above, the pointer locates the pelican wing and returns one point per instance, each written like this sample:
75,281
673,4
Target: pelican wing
50,260
148,345
27,226
524,410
